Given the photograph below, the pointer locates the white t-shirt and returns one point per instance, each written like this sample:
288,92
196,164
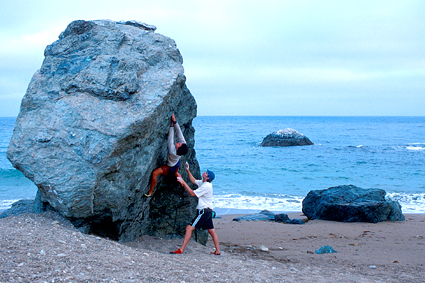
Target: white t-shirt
204,192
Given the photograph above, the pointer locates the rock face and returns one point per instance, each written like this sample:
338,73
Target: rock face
286,137
351,204
93,125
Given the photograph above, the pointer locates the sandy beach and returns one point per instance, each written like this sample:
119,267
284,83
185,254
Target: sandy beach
47,248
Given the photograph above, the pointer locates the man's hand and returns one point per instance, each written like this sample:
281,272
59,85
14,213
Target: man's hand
181,181
187,166
173,118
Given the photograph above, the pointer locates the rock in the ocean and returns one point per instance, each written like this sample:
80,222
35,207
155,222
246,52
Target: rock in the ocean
351,204
286,137
93,125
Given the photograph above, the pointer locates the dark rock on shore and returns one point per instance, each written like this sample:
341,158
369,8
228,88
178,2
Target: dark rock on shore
93,125
286,137
266,215
284,218
19,207
351,204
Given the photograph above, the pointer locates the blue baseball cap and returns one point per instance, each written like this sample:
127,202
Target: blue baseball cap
211,175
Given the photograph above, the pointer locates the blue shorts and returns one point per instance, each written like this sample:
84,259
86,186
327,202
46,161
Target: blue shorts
166,169
203,220
175,167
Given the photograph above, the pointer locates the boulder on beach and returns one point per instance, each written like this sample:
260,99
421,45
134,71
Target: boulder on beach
94,123
286,137
349,203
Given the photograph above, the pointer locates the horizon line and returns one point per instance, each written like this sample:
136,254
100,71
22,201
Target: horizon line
405,116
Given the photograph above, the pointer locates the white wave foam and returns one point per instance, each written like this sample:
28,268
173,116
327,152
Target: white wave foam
276,203
410,203
6,204
415,148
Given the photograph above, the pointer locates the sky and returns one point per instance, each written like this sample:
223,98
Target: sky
253,58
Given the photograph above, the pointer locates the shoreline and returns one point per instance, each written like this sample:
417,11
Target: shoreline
240,211
408,207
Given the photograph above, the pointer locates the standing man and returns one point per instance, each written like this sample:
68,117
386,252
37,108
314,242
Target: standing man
203,220
174,154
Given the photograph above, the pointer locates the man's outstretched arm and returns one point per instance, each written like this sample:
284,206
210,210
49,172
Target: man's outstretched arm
191,178
186,186
170,141
176,126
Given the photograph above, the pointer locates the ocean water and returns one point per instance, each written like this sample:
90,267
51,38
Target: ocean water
369,152
13,184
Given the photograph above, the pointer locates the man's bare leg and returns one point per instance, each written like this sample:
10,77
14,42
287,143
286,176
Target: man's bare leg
154,180
215,240
187,236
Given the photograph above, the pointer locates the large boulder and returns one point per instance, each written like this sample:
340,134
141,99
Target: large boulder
93,125
285,137
351,204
